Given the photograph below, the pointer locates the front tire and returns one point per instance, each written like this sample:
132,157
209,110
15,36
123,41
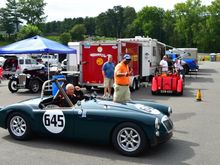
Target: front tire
129,139
12,86
18,126
34,86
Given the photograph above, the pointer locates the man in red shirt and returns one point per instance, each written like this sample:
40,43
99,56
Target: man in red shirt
121,77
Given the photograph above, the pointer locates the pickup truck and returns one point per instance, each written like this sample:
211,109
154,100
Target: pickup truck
191,64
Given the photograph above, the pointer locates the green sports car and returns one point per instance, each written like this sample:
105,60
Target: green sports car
130,127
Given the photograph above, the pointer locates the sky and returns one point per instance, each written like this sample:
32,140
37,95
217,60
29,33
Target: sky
57,10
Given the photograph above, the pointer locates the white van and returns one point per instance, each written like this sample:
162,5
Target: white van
15,64
51,59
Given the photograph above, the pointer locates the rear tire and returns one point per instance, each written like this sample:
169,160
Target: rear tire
186,69
12,86
88,88
133,86
18,126
137,84
154,92
129,139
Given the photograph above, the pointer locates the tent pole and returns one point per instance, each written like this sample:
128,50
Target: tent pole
48,70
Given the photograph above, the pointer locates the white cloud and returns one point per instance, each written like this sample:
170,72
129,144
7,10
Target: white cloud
60,9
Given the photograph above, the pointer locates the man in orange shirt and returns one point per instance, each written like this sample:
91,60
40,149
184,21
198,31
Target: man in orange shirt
121,77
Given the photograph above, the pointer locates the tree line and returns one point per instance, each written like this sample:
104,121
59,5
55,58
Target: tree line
189,24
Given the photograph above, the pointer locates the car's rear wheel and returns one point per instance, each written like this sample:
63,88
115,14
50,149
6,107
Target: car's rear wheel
129,139
18,126
34,86
133,86
88,88
12,86
186,69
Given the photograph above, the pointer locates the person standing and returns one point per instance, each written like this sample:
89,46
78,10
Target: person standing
108,75
179,67
164,64
121,77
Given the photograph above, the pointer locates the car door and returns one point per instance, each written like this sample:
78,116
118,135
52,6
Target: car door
55,121
34,64
93,124
28,65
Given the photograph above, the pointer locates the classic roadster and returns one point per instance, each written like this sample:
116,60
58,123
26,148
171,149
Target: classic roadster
130,127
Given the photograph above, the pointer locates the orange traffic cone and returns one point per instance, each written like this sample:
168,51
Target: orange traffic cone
198,95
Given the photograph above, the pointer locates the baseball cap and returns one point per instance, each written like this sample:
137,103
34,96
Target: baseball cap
127,57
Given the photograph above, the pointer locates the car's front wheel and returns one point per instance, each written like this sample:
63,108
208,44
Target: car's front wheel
12,86
129,139
18,126
34,86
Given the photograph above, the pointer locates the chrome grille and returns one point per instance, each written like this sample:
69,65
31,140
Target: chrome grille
168,124
22,79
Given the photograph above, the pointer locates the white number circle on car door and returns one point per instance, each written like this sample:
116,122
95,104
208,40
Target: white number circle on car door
54,121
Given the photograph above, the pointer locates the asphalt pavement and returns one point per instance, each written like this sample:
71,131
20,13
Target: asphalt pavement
196,138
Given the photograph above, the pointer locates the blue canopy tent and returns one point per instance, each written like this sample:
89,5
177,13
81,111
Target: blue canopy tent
36,44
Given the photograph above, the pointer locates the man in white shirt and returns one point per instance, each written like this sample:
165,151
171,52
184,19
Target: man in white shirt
164,64
179,66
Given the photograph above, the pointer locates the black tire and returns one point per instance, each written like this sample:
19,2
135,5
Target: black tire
154,92
18,126
139,141
34,86
88,88
186,69
180,93
12,86
137,84
133,86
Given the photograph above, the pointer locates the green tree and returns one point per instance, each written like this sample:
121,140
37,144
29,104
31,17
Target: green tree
149,22
6,22
65,38
28,31
102,25
188,18
32,11
168,28
12,6
129,15
90,25
77,32
114,22
211,29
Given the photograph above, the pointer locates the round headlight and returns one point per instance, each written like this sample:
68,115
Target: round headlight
28,75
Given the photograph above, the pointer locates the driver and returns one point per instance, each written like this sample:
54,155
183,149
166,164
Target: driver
74,94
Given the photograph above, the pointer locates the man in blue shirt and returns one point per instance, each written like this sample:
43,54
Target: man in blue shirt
108,75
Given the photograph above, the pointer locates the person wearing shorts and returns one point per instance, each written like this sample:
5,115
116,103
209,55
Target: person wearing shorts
121,76
108,75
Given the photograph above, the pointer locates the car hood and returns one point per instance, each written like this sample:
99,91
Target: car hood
128,106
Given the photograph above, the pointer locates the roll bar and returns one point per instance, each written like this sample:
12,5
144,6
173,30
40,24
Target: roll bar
56,81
